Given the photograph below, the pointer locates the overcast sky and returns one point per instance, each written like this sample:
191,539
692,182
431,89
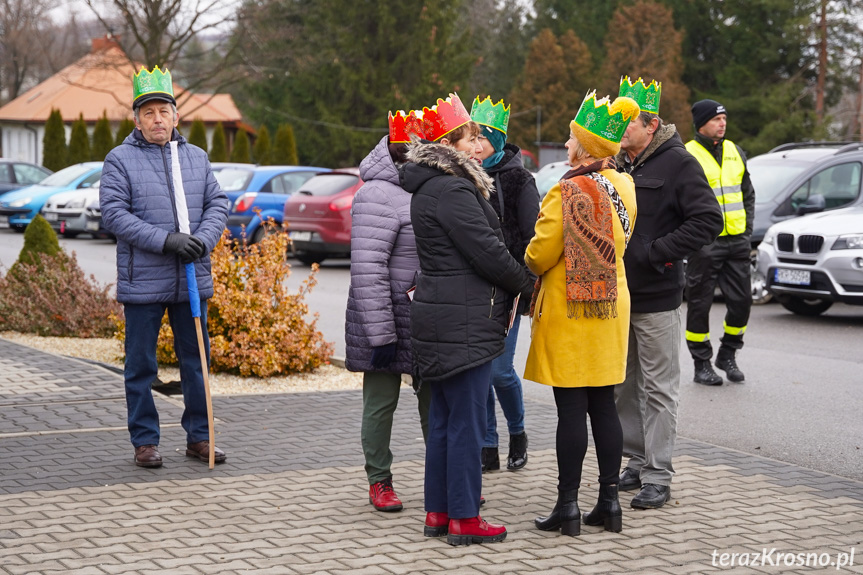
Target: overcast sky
65,8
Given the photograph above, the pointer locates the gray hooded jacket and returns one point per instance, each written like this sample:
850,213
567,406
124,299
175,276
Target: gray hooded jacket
383,264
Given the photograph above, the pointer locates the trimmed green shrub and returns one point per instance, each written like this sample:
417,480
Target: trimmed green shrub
103,139
261,149
123,131
285,147
79,142
219,150
198,134
54,150
241,153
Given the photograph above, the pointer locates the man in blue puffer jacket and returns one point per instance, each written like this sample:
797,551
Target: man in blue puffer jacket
143,181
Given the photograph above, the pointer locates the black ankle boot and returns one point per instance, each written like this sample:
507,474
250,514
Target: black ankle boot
607,511
517,451
726,362
565,515
704,373
490,459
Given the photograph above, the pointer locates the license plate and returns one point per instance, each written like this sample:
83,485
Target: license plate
92,226
301,236
792,277
51,216
4,221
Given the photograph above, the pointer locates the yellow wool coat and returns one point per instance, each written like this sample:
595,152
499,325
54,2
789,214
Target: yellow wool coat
583,352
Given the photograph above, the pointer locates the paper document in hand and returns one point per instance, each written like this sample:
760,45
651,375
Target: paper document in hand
512,312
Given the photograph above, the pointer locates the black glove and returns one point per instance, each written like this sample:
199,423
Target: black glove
189,248
383,355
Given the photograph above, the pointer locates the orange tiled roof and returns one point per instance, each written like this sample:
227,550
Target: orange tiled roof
102,81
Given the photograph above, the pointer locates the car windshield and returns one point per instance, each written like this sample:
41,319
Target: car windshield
770,178
328,184
548,176
233,179
65,176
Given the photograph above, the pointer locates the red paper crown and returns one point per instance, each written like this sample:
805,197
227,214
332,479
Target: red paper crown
402,126
444,117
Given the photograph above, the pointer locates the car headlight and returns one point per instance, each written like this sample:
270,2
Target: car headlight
769,236
848,242
20,202
79,203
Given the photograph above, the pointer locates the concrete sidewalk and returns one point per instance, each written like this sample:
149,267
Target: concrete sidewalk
292,496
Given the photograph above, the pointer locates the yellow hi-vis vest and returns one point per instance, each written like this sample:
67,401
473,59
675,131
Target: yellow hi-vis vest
726,183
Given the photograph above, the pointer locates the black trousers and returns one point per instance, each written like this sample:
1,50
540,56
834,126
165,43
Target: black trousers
724,262
573,406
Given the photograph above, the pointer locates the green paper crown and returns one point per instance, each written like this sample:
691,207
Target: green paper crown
607,121
492,115
646,96
150,83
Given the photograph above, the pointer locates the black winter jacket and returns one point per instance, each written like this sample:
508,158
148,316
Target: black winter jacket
459,311
677,215
517,207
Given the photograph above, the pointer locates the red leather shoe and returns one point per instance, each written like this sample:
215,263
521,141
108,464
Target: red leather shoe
474,530
383,496
437,525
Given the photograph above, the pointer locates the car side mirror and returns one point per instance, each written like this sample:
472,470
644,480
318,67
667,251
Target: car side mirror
813,204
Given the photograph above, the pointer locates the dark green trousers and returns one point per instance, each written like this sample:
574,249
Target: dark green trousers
380,398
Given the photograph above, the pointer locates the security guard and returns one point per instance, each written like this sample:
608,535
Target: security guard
726,260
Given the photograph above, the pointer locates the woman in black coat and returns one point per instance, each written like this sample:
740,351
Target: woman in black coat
459,315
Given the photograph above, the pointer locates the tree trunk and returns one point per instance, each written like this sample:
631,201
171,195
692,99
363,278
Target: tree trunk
822,64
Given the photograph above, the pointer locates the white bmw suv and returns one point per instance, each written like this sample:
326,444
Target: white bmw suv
812,261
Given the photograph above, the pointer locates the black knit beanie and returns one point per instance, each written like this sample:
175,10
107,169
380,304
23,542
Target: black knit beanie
705,110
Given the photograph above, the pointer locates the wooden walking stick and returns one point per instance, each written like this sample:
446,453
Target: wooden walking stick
195,303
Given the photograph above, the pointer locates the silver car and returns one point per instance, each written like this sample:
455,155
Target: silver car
815,260
65,210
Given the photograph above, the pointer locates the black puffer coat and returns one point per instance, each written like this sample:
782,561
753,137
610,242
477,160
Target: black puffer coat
459,312
515,199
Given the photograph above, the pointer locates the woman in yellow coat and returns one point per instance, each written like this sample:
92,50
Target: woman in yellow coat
580,309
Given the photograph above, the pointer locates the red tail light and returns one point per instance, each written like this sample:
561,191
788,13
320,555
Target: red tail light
245,202
342,203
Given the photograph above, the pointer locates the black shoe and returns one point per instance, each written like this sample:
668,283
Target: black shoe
651,496
565,515
517,451
629,480
704,373
607,511
490,459
727,363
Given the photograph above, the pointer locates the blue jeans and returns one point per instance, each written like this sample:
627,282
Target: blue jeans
453,470
505,381
142,332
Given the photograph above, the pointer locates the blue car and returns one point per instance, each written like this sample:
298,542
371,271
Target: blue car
18,208
264,188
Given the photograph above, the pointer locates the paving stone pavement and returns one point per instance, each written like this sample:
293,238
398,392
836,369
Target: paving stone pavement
292,496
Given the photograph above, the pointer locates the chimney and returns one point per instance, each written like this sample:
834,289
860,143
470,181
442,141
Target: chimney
104,43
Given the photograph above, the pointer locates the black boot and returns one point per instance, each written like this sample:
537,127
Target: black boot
565,515
490,459
704,373
517,451
726,362
607,511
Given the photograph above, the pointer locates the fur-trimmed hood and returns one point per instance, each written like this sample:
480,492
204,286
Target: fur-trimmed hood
450,161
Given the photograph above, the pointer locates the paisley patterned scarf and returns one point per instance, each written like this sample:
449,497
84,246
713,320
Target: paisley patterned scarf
588,241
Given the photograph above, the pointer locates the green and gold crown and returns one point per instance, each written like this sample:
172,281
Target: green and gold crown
492,115
155,85
599,125
646,96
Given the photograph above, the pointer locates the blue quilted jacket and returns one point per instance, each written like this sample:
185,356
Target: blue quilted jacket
383,263
136,195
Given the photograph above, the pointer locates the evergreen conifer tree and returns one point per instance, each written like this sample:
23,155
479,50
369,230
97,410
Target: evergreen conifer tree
261,149
39,238
285,147
79,142
218,151
125,128
241,152
54,151
198,134
103,139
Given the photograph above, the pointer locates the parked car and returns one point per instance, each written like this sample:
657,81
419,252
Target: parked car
319,216
264,188
65,210
549,175
18,208
15,174
93,220
814,261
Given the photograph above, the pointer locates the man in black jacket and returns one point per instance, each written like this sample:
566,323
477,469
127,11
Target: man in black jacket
677,214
